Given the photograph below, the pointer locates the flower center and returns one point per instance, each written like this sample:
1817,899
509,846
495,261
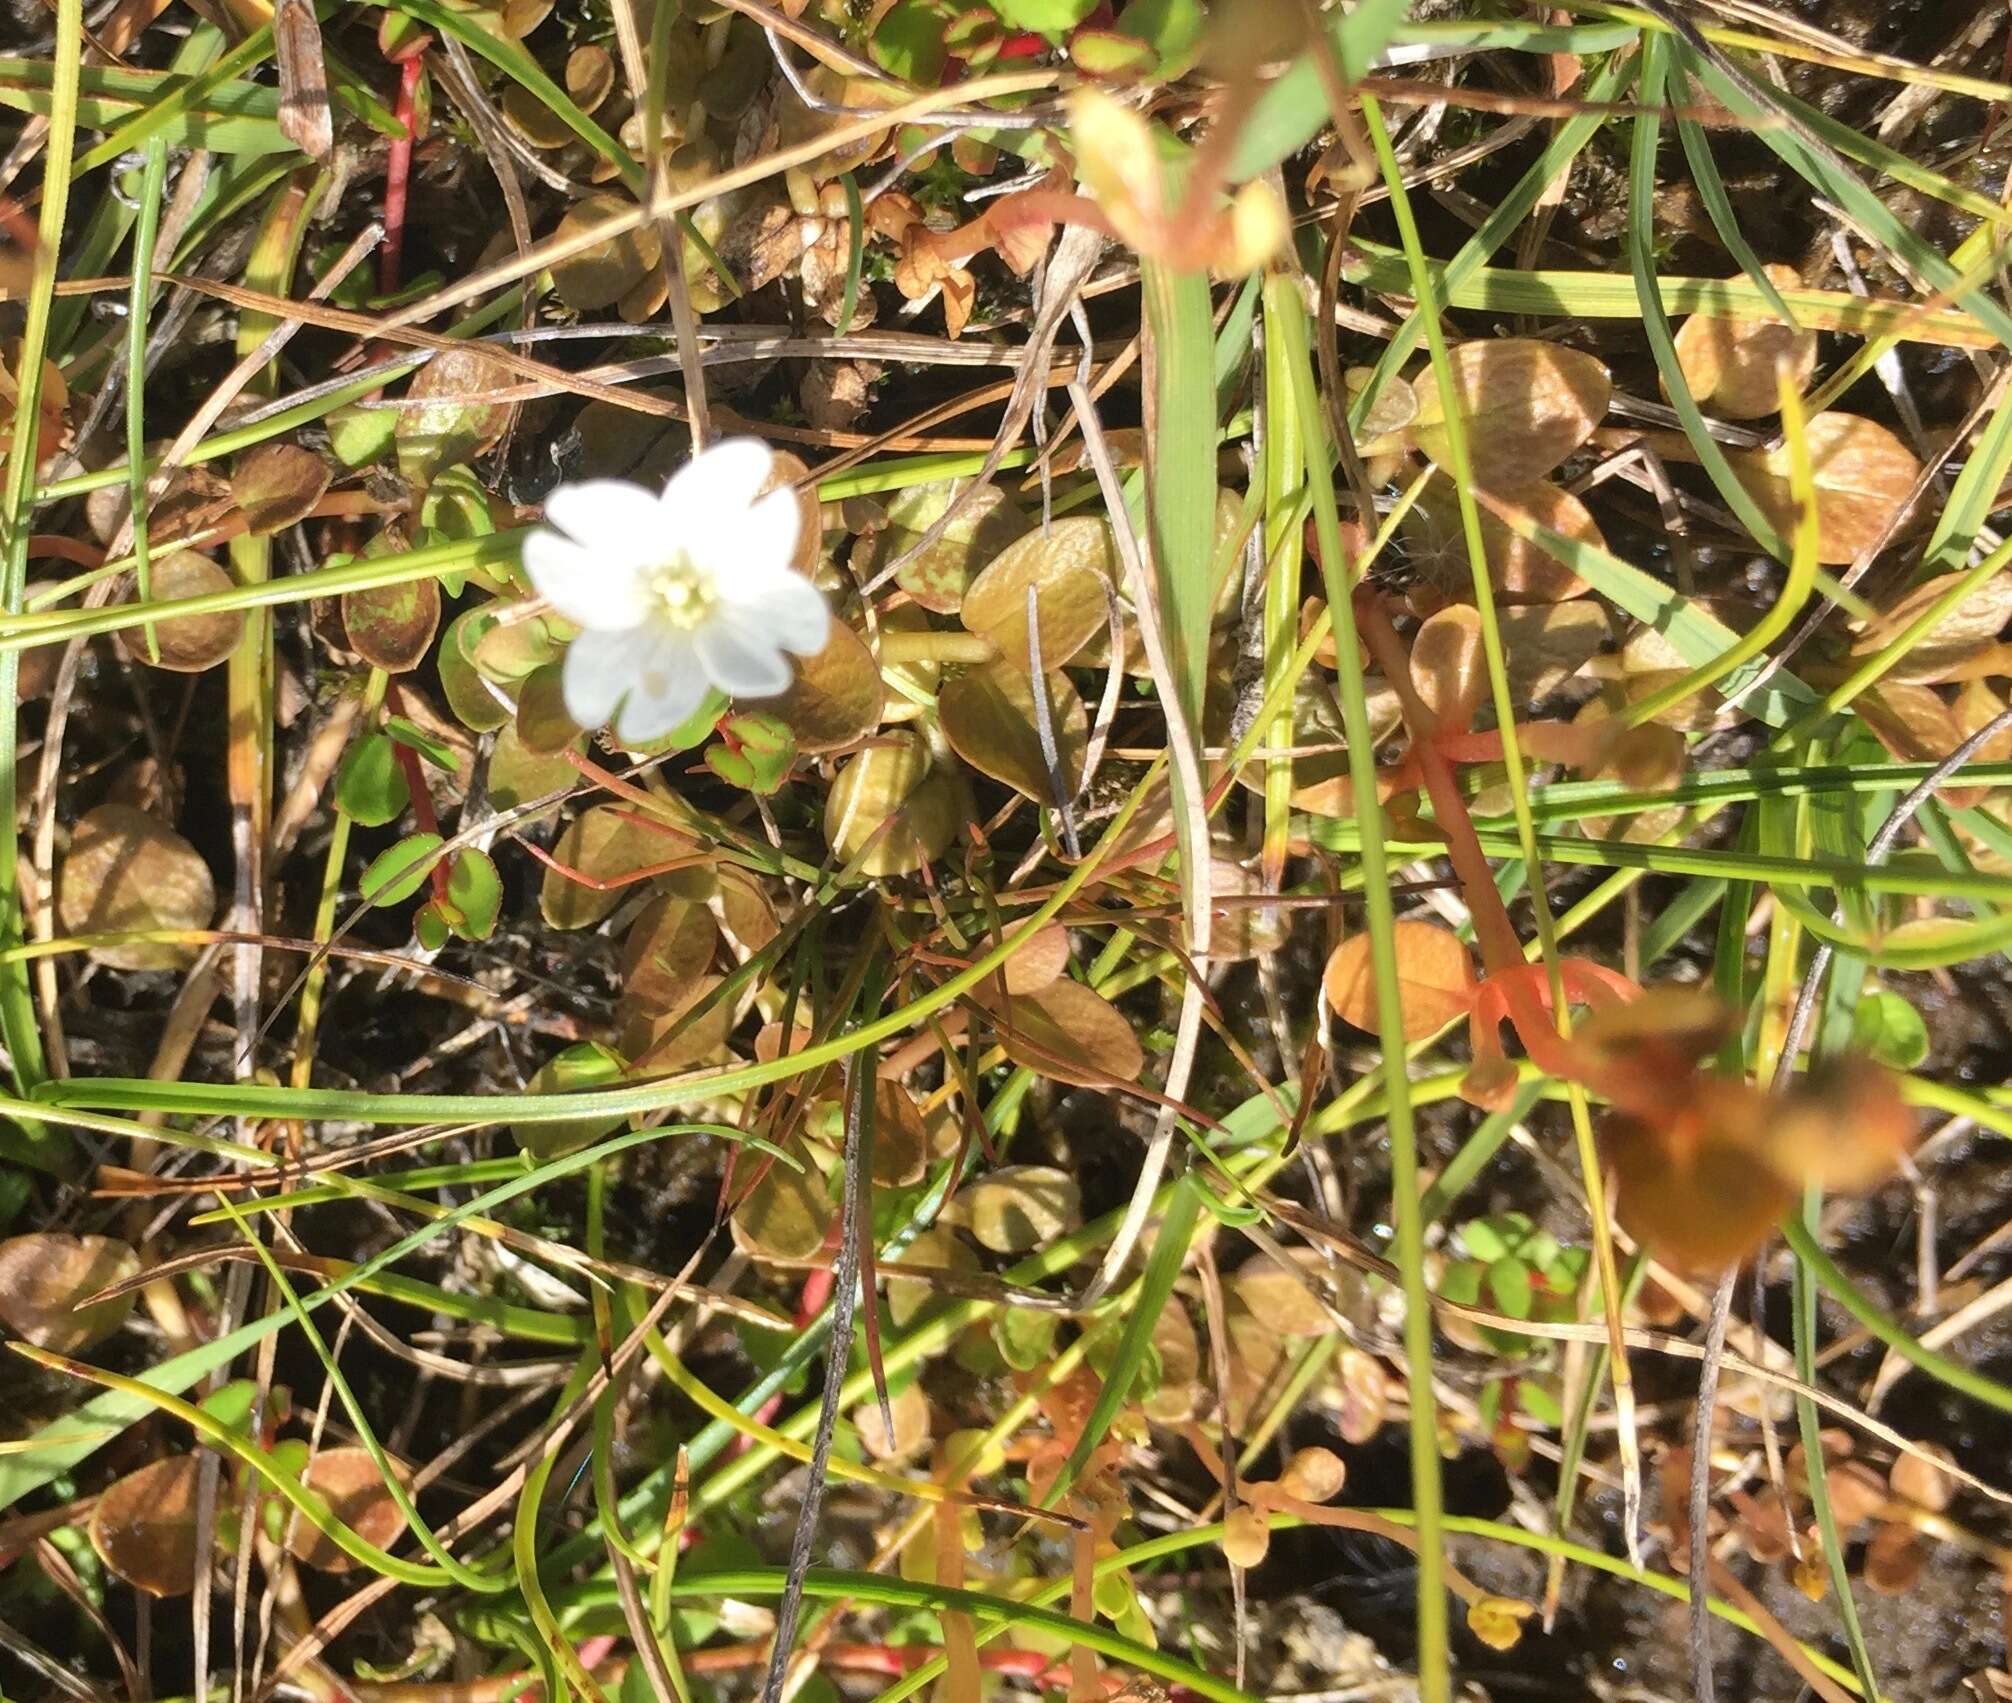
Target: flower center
684,593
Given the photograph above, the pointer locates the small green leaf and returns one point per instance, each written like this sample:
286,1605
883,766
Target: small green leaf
429,923
1460,1282
398,873
1483,1240
1112,1594
1171,28
290,1455
1107,53
1509,1283
467,696
370,786
1048,17
909,40
1539,1403
476,891
457,506
14,1192
359,435
760,757
584,1066
1025,1338
1889,1030
731,767
233,1404
435,751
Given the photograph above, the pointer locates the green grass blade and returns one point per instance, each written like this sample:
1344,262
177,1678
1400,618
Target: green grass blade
1966,1380
18,1024
1502,223
1183,463
1294,108
1844,187
829,1583
153,183
1662,341
1142,1313
1712,192
1434,1660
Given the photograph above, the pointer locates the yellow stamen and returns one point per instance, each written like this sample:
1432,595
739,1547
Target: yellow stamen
684,593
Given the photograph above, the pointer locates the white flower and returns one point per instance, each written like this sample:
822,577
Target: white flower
676,593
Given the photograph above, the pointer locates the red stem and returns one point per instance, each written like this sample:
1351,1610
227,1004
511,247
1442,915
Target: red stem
398,176
415,783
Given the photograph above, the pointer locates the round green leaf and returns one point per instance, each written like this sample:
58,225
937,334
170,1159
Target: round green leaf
370,785
468,696
1509,1283
577,1069
475,890
397,874
1889,1030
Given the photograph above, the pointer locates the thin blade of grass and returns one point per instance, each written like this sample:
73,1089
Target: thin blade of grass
1181,493
153,183
19,1025
1142,1315
1662,341
844,1299
1291,346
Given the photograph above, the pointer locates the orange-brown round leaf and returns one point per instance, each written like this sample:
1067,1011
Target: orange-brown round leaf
1696,1191
788,472
992,721
1730,363
1066,1032
590,74
909,1409
1521,570
1246,1536
1038,961
349,1483
144,1527
669,948
1843,1125
1435,979
1527,405
43,1277
1894,1560
1961,639
277,484
1924,1482
608,846
889,804
836,696
900,1140
786,1214
457,421
392,626
1313,1475
189,643
1448,666
1018,1208
1287,1297
1863,474
126,872
1069,567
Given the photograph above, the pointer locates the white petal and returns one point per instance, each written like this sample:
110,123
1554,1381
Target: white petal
741,656
599,668
601,592
664,692
749,546
787,610
606,514
714,490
